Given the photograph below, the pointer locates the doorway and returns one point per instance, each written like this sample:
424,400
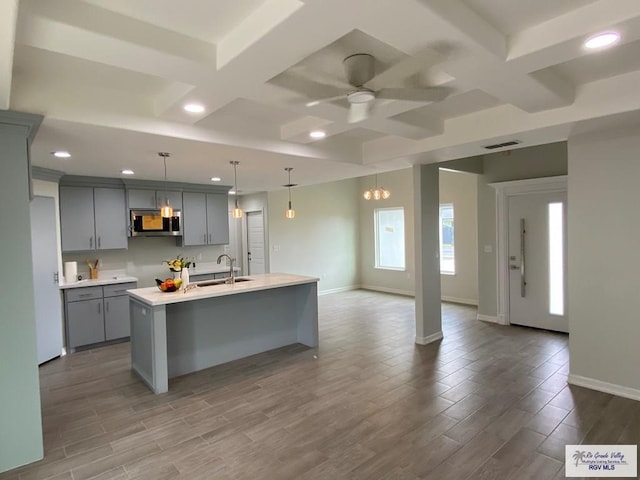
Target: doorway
537,260
255,243
532,253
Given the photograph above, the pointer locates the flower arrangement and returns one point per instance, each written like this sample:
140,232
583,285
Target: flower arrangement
177,264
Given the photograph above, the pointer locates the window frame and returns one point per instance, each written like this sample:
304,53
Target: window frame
440,243
376,247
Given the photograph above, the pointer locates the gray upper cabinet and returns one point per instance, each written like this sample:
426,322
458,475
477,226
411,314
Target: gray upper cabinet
205,219
141,198
175,199
152,199
217,219
194,219
77,222
92,219
111,220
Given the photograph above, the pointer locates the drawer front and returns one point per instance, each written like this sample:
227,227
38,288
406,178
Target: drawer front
83,293
118,289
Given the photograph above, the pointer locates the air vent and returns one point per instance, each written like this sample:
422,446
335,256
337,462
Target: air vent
505,144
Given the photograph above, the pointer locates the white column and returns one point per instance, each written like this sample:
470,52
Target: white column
426,200
8,19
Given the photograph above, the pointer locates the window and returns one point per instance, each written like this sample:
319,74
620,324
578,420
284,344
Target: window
447,251
389,230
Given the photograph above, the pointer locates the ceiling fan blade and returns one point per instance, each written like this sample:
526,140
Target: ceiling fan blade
319,77
404,69
359,112
433,94
318,101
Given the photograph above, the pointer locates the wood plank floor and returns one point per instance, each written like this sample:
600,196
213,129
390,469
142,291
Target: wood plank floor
488,402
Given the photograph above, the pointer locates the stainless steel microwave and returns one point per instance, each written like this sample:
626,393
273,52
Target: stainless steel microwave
150,223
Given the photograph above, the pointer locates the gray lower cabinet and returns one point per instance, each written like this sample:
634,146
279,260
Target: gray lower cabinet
92,218
97,314
205,219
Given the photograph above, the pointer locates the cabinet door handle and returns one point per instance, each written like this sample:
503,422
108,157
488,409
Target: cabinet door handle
209,238
84,295
106,304
205,238
98,242
99,308
90,242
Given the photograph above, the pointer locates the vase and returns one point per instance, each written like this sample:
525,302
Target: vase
177,274
185,278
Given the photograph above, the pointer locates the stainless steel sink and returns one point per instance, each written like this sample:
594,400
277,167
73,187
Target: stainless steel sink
222,281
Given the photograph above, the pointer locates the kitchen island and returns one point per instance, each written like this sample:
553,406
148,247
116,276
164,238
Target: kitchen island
177,333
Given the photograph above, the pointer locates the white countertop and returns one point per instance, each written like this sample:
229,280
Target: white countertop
153,296
101,280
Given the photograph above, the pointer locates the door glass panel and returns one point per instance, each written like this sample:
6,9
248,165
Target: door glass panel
556,259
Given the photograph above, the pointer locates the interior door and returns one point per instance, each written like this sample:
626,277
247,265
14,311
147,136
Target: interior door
255,243
537,260
45,279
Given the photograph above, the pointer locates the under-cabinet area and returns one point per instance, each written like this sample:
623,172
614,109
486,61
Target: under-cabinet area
96,314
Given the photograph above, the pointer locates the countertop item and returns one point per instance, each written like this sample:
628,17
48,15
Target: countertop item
101,280
152,296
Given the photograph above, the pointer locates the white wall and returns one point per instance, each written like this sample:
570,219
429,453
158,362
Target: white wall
604,261
400,184
143,259
460,189
322,241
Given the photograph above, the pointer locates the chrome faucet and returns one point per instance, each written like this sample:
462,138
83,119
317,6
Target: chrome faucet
232,278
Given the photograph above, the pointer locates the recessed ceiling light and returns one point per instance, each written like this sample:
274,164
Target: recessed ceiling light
313,103
61,154
602,40
215,179
232,192
317,134
194,108
127,171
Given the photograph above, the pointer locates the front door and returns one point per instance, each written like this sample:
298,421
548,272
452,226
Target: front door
537,260
255,242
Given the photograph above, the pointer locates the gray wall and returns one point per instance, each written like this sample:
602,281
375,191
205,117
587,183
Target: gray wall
322,241
20,418
604,237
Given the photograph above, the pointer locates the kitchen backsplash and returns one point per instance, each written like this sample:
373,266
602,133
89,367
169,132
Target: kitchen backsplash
143,259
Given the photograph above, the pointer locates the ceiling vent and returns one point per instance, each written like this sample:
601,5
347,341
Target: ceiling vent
505,144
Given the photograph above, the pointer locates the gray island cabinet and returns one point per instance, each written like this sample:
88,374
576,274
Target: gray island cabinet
177,333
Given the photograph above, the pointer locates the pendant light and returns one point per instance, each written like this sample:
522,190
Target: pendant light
378,193
166,211
290,213
237,211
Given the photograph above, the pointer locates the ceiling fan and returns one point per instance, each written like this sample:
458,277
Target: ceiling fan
359,71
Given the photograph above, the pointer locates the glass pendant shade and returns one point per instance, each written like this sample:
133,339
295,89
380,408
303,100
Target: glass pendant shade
290,213
166,211
378,193
237,211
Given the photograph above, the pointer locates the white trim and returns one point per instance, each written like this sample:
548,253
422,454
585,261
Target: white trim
338,290
504,190
464,301
490,319
434,337
605,387
396,291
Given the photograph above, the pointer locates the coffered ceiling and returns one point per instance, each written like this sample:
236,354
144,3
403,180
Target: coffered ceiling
112,77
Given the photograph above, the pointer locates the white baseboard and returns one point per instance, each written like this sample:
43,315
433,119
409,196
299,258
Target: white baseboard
606,387
434,337
337,290
464,301
396,291
490,319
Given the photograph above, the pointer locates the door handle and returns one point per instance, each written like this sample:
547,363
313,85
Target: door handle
523,282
